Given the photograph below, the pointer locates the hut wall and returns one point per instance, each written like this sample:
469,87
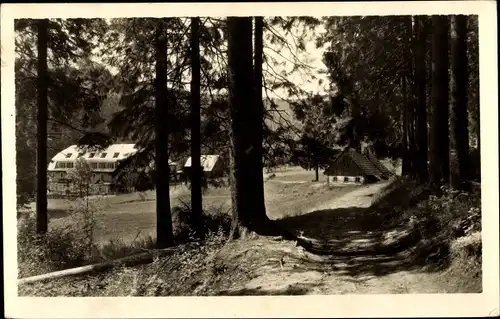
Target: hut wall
339,179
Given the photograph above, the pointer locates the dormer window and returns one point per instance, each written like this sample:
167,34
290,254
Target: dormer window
60,165
91,155
116,155
81,154
68,155
103,155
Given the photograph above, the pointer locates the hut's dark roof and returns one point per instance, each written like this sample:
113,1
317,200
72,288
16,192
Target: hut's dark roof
352,163
381,167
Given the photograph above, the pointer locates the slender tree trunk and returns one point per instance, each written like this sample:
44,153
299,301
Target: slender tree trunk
316,169
164,233
410,80
459,141
421,99
42,101
197,172
259,104
247,187
406,165
439,158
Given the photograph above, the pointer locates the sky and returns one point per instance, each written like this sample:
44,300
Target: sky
312,56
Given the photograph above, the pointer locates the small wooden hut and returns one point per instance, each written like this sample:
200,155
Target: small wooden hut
352,167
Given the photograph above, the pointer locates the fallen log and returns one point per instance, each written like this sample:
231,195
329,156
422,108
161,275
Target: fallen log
129,261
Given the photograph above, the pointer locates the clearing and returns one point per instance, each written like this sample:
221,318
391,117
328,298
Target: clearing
127,217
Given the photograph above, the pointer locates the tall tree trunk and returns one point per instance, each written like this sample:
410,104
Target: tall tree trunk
406,165
421,28
459,141
410,80
247,187
439,135
164,233
196,170
42,101
259,104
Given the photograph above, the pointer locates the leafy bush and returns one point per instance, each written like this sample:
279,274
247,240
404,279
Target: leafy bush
457,213
57,249
438,216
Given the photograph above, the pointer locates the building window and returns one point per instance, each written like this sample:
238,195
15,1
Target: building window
103,155
62,165
91,155
102,165
68,155
93,165
346,179
116,155
69,165
111,165
357,179
334,178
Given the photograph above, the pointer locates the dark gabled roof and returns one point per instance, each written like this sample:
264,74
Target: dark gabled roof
364,163
360,164
381,167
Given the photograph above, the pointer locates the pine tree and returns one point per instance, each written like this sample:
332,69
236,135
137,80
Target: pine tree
42,106
75,89
164,232
421,36
196,169
459,141
248,208
439,138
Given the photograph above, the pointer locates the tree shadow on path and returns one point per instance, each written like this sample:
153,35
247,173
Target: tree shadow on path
362,241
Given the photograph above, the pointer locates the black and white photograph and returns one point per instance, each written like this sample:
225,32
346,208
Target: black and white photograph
198,150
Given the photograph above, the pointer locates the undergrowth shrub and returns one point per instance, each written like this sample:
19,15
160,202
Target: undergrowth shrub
75,245
215,219
437,217
465,271
61,247
457,213
115,249
186,271
57,249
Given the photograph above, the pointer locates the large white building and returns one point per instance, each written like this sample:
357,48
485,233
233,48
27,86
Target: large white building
102,164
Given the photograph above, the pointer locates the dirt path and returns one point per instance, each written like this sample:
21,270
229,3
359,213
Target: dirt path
284,269
278,268
361,197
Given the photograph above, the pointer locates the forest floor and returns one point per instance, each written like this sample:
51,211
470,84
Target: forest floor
272,266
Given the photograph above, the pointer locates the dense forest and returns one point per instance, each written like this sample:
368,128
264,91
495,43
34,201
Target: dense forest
405,88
